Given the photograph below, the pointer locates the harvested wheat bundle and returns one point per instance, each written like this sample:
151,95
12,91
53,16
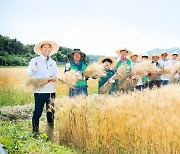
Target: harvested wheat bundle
121,72
141,69
105,89
70,78
127,84
166,70
94,69
38,83
152,68
176,67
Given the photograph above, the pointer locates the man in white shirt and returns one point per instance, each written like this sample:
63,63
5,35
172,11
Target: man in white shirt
134,59
164,63
173,61
43,66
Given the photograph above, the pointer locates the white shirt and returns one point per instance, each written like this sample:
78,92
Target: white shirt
46,68
173,62
164,64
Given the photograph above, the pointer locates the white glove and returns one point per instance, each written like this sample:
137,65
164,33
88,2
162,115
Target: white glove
67,67
79,75
111,81
35,67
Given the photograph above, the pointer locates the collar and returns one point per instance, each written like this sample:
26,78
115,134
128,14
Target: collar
44,58
78,63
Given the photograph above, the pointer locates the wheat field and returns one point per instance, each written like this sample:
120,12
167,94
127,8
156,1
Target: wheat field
137,122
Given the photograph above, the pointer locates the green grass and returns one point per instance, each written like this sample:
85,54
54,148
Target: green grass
12,97
17,138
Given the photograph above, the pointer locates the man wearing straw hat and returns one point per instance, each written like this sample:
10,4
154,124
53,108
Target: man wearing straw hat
134,60
106,83
164,63
123,60
122,57
77,63
43,66
173,61
156,81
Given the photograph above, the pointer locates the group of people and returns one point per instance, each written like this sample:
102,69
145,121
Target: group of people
43,66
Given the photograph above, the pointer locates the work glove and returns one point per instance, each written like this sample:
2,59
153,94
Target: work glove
35,67
67,67
111,81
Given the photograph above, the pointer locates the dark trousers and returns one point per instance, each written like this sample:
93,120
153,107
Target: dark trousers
164,82
40,100
78,90
153,83
139,87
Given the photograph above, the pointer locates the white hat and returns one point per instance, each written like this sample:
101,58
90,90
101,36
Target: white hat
144,55
54,45
175,53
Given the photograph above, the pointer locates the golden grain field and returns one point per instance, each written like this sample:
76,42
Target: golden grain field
139,122
16,78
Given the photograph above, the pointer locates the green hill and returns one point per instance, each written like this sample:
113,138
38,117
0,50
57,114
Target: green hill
14,53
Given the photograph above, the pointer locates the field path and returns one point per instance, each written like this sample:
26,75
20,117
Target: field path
16,112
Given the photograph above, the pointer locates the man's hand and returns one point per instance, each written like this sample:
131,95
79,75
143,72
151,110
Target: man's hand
111,81
35,67
67,67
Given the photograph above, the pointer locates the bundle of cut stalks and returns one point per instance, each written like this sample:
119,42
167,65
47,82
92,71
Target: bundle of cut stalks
166,70
127,84
105,89
94,70
176,68
122,72
38,83
152,68
141,69
70,78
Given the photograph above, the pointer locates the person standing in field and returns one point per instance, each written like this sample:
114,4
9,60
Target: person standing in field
77,62
173,61
122,57
164,63
123,60
106,82
134,60
43,66
156,81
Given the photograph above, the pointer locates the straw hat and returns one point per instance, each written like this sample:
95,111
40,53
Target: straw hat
133,54
175,53
155,55
83,55
113,64
164,52
54,45
118,51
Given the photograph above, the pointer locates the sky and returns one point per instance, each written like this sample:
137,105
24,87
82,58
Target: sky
97,27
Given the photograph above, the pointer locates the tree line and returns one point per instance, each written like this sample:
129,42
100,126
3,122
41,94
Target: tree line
15,53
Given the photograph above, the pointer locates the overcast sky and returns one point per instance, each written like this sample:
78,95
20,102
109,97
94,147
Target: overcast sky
94,26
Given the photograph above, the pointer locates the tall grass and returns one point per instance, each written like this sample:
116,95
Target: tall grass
141,122
14,92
